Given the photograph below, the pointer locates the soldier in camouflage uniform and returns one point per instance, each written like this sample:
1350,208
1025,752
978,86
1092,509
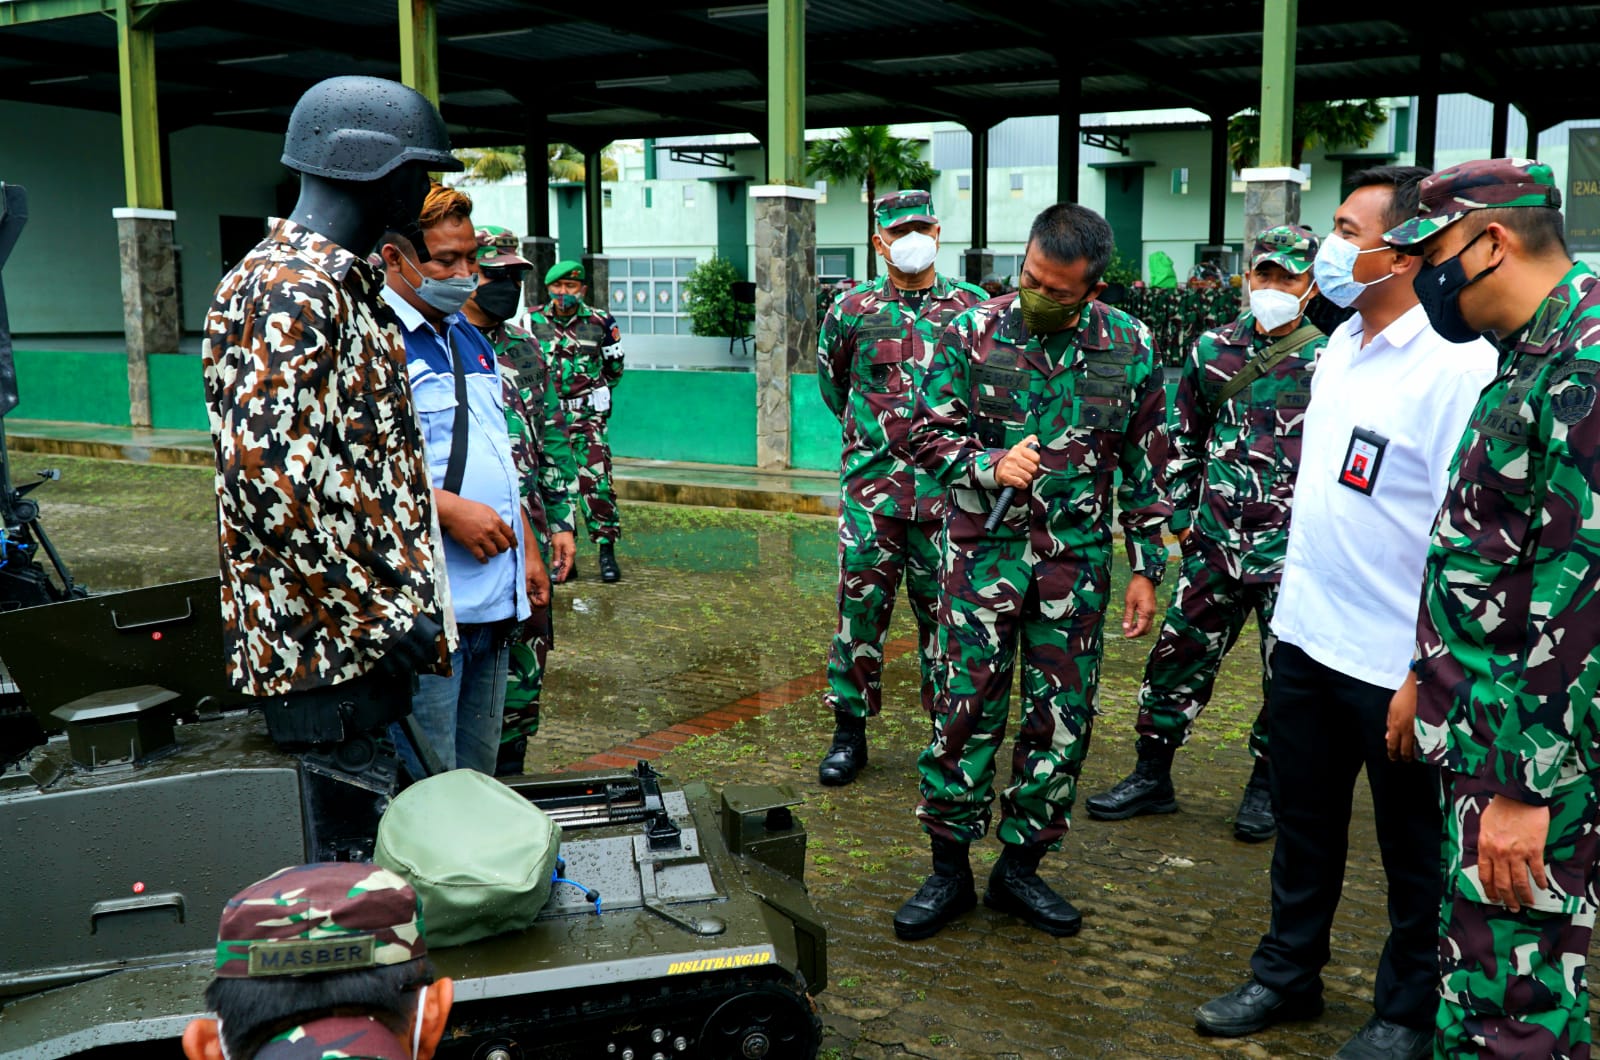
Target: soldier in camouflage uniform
1507,673
543,458
320,961
890,513
584,348
1051,366
1235,450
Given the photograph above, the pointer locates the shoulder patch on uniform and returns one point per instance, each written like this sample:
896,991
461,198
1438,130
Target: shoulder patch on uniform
1573,399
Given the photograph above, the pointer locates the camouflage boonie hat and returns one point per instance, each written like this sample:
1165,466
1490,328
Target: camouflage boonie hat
1292,246
904,207
336,1038
564,270
497,249
1487,183
325,917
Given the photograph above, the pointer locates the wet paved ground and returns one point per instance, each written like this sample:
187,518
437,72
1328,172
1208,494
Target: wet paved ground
718,607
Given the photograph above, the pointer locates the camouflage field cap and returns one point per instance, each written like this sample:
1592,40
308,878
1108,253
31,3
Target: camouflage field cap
1450,194
497,249
564,270
1292,246
313,919
903,207
336,1038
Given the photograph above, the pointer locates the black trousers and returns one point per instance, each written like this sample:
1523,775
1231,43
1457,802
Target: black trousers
1324,726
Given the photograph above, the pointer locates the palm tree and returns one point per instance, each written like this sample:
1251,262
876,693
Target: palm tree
1334,125
485,165
868,154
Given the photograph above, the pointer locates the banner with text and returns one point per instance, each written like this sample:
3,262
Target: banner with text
1583,191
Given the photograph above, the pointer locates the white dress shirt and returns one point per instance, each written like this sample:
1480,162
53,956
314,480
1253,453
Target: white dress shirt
1353,579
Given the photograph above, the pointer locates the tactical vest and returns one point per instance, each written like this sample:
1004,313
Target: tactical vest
1001,394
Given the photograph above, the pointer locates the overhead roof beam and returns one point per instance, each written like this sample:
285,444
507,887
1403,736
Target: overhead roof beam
23,12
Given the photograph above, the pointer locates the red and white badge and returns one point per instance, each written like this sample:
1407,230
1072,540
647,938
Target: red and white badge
1362,460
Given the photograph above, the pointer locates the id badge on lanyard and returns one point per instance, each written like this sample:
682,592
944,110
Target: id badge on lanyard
1362,460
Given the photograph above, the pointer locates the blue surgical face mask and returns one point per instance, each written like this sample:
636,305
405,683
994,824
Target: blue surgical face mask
1334,270
447,296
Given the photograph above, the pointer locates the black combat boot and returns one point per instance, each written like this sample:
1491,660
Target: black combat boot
1148,789
609,571
1015,888
848,754
942,897
1255,822
512,758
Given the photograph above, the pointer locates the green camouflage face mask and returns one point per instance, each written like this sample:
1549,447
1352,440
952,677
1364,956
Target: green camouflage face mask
1046,316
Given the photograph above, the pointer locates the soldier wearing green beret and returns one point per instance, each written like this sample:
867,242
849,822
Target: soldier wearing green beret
322,961
1238,415
1506,677
584,348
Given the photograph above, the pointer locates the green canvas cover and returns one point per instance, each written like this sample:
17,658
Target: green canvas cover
1161,271
479,855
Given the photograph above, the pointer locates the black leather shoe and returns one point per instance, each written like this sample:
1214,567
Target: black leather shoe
945,895
1254,822
1015,888
847,756
1148,789
1250,1008
1382,1040
609,571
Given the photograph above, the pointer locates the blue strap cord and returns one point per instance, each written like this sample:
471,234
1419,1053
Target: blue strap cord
556,877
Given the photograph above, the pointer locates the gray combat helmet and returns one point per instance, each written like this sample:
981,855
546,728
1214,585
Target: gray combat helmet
362,128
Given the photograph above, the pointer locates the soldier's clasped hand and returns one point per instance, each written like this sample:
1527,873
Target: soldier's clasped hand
1020,466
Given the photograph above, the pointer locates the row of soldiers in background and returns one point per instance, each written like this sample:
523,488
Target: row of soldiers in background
1501,697
360,406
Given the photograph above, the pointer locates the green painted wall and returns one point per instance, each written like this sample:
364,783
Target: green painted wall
569,222
732,206
83,387
814,442
704,417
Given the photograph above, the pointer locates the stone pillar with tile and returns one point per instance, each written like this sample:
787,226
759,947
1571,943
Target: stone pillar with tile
786,309
149,298
597,268
541,251
1271,198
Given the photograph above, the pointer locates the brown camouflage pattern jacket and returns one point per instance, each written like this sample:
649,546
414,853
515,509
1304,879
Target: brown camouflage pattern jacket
323,498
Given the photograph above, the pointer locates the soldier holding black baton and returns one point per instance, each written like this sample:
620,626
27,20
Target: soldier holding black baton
1079,382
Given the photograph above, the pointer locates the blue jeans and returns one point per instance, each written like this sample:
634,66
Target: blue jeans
460,715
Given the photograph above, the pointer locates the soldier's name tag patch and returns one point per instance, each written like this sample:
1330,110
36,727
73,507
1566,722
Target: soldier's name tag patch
296,957
1574,400
1362,459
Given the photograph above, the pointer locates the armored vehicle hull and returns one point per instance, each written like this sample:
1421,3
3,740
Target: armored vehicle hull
151,803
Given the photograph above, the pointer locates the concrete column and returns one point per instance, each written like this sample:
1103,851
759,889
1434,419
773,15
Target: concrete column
786,92
977,261
786,308
593,201
1069,104
149,298
419,47
597,268
1221,181
1427,108
1498,129
1279,26
537,244
1271,198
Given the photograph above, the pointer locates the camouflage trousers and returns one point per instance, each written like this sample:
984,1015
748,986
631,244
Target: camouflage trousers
875,551
596,498
525,681
982,630
1209,608
1515,984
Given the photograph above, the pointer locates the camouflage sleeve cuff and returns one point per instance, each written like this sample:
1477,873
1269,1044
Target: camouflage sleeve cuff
1488,782
1147,558
982,468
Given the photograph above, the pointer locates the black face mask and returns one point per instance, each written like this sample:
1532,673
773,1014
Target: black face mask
499,299
1439,290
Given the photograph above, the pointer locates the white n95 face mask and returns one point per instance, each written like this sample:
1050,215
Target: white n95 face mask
913,252
1273,308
